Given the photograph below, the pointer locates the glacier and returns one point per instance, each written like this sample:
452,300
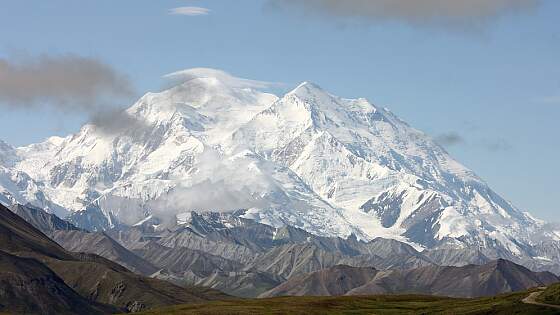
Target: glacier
329,165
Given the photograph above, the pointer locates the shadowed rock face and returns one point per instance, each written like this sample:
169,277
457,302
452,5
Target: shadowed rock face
245,258
29,286
91,218
293,259
386,207
493,278
454,257
20,238
242,284
42,268
182,260
496,277
74,239
42,220
101,244
337,280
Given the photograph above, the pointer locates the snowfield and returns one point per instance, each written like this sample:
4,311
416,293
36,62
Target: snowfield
331,166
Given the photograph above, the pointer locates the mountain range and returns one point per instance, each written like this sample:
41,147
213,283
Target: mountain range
490,279
305,164
247,259
38,276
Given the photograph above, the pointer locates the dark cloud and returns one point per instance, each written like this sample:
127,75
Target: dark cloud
68,83
453,138
64,82
450,139
446,12
116,121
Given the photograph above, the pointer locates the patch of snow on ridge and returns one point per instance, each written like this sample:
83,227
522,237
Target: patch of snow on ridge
148,218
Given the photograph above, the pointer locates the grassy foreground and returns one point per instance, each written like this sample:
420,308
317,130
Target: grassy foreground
384,304
551,295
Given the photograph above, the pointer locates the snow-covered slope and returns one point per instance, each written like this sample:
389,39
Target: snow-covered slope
365,160
309,159
17,187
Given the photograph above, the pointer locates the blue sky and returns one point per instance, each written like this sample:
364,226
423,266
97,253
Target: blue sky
488,87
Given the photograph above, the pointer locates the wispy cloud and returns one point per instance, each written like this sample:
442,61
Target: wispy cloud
462,13
190,11
224,77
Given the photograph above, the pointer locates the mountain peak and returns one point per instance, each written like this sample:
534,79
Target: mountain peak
307,89
204,98
315,95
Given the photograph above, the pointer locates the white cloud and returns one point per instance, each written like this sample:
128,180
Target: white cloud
222,76
190,11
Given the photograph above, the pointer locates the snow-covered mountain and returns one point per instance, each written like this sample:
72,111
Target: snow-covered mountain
309,159
17,187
